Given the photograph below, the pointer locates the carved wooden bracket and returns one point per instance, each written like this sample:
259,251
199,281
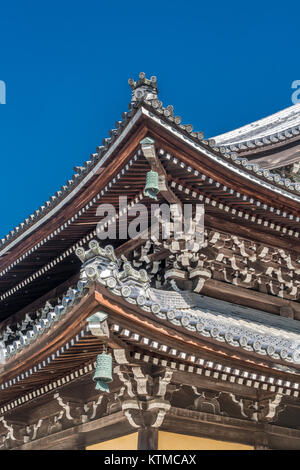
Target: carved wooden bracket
264,410
146,396
13,435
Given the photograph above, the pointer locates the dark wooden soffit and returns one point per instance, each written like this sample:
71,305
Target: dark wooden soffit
81,198
277,149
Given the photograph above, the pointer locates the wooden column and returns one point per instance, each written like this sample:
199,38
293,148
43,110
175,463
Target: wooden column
147,439
261,441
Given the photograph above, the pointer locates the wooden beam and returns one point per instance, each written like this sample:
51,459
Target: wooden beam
251,233
248,297
156,165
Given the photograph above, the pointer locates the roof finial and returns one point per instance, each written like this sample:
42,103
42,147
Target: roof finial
143,89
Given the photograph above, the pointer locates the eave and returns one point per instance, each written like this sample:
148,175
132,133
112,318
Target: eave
276,129
218,165
30,369
115,140
47,235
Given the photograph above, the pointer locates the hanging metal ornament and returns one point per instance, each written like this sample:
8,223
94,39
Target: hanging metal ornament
103,372
151,187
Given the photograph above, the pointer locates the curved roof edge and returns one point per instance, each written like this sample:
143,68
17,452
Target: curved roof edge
285,123
145,93
245,329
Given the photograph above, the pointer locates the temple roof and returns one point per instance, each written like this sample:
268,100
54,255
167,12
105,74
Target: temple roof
283,122
281,126
38,255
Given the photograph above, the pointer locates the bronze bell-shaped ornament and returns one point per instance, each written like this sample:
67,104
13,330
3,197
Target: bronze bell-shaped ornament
103,372
151,188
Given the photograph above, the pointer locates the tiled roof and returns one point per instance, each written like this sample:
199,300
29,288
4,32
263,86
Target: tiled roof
271,129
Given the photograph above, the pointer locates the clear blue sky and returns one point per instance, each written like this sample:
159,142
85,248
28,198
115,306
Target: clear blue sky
66,66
